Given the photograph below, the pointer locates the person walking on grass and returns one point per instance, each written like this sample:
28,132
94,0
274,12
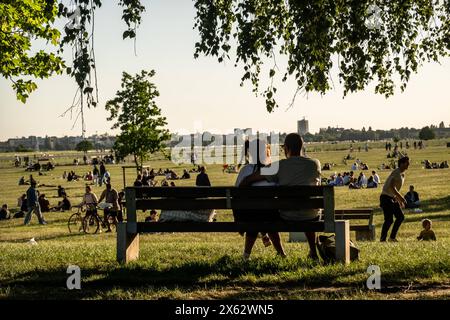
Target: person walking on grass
392,202
33,205
102,173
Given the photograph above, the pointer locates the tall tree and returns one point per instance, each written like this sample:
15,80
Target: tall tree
139,119
84,146
426,133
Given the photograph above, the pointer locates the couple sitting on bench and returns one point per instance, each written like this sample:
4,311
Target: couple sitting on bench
295,170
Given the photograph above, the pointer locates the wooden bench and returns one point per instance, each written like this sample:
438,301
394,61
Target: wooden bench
195,198
363,231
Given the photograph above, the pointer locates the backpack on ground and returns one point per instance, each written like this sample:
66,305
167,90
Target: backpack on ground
326,245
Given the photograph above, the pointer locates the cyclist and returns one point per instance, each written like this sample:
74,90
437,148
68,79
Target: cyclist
111,197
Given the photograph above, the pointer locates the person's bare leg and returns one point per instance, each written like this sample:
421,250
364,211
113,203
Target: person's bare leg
311,236
249,243
276,241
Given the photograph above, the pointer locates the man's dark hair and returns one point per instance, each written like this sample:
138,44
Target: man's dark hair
402,160
294,143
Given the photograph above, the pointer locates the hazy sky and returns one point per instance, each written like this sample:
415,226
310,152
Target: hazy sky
204,94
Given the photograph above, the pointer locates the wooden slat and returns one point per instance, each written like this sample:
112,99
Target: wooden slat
204,192
180,192
351,216
230,226
360,227
278,191
352,211
250,203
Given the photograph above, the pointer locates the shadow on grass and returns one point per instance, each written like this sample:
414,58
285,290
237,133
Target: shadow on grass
436,205
225,274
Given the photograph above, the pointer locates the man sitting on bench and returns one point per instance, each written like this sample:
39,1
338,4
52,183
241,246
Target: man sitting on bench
295,170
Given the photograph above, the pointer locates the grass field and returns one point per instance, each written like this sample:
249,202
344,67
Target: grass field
209,266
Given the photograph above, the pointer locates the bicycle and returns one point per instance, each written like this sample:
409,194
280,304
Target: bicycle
92,222
75,223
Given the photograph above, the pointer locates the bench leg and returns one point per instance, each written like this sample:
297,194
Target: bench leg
342,229
127,244
365,235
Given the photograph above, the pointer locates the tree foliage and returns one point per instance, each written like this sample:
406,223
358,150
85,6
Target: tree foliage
138,117
20,22
316,35
426,133
84,146
342,134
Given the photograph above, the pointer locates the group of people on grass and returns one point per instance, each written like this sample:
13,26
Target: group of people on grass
435,165
359,165
349,179
416,144
147,178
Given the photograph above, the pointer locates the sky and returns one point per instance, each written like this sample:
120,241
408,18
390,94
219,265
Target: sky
201,94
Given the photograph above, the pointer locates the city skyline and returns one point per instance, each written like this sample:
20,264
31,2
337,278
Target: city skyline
204,91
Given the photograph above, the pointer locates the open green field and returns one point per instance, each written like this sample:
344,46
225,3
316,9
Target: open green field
209,266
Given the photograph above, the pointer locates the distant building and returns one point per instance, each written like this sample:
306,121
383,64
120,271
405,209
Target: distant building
246,131
302,127
104,141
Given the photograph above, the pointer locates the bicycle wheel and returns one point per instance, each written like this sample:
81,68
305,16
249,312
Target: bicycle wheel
91,224
75,223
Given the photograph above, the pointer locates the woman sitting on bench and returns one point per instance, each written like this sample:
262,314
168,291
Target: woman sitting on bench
258,148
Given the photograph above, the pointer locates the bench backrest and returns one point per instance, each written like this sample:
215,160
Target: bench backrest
194,198
354,214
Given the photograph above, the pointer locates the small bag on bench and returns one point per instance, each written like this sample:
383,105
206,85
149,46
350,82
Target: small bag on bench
326,245
206,215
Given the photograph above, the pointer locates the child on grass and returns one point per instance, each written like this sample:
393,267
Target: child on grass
426,234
